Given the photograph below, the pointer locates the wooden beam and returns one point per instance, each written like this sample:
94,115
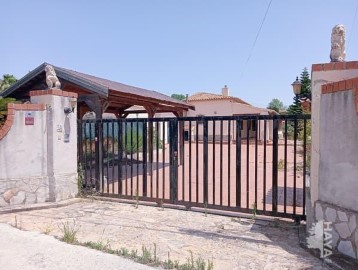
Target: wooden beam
73,88
118,110
82,109
126,100
154,101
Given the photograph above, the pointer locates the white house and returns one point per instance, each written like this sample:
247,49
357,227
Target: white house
209,104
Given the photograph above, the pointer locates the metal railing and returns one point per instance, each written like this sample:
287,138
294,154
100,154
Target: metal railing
240,163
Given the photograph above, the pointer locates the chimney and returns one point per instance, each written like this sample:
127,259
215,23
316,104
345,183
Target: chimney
225,91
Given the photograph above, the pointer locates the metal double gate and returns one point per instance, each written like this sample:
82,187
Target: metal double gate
253,164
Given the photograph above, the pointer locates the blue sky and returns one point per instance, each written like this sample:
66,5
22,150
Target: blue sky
181,46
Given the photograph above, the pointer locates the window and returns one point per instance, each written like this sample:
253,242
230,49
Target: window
253,125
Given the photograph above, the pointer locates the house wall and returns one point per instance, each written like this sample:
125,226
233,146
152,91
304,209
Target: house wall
334,167
38,162
211,108
228,108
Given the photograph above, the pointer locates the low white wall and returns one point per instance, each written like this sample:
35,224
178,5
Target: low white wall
338,168
23,160
338,180
18,156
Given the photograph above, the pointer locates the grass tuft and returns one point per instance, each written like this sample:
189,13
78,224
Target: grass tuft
69,231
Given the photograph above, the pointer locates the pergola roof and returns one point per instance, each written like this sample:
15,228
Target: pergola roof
117,95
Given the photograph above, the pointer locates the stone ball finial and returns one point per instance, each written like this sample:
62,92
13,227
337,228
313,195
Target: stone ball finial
51,77
338,43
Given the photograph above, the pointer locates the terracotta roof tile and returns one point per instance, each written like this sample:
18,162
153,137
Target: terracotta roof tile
209,96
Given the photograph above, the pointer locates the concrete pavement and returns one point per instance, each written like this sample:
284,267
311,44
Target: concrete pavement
32,251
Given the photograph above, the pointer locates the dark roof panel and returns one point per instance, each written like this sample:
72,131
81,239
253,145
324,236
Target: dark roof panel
120,87
95,84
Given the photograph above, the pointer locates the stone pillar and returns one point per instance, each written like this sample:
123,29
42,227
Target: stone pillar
23,155
61,142
332,196
322,74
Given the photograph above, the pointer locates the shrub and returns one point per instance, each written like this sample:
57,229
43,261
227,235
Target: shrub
132,144
3,108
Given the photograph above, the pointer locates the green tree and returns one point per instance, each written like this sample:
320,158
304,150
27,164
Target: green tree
276,105
306,84
178,96
7,81
295,107
3,108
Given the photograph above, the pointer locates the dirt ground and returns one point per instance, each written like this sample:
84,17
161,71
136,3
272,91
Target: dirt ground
255,176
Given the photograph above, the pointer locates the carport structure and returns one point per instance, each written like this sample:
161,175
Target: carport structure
102,96
99,95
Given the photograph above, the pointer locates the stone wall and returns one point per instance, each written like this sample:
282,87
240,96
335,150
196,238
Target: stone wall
344,227
37,163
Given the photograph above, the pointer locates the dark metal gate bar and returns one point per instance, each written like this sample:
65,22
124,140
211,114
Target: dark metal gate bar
238,163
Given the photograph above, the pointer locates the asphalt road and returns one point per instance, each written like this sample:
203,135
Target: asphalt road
31,250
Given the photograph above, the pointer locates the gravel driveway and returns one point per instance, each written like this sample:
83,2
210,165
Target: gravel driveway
232,243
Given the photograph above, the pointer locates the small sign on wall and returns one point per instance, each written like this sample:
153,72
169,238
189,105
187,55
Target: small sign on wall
29,118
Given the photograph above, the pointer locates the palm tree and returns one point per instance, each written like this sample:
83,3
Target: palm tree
7,81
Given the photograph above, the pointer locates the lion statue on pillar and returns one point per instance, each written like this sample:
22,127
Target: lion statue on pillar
338,43
51,78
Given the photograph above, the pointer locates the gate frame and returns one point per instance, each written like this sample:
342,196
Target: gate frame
173,124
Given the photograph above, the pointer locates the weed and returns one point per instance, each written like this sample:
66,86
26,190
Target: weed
206,209
254,210
191,258
146,256
134,254
124,252
156,259
210,265
18,223
48,229
275,223
281,164
136,199
299,167
200,263
99,245
168,264
80,179
69,231
195,264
